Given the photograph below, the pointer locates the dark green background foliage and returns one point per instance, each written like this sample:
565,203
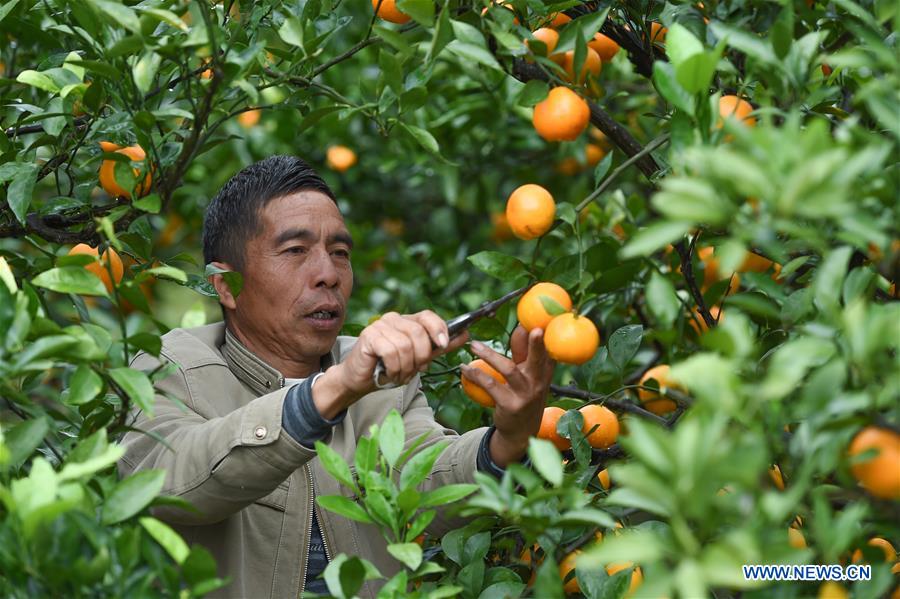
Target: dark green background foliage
438,113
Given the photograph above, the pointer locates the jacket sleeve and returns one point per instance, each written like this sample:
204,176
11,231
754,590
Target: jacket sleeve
219,465
456,464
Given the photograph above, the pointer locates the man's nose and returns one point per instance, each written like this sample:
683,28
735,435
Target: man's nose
324,273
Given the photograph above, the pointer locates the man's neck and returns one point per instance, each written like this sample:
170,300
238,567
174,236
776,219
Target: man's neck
289,366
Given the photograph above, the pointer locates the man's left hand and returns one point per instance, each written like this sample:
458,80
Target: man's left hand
519,404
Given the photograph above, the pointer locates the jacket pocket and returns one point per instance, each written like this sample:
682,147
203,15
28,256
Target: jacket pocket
277,499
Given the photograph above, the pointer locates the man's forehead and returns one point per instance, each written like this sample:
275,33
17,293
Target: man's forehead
308,214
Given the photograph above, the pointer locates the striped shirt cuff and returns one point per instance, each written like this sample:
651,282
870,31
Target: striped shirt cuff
300,417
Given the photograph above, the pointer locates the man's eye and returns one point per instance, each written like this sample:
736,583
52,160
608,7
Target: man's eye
296,250
342,253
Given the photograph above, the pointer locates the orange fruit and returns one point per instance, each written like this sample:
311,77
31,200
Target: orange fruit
340,158
607,424
525,558
832,590
637,577
604,46
592,65
546,35
389,11
654,401
777,478
827,70
530,211
796,538
477,393
568,166
657,33
559,19
395,227
548,428
562,115
571,339
603,477
890,554
505,5
108,171
501,230
101,268
732,106
599,136
880,474
699,325
249,118
756,263
530,310
566,566
593,154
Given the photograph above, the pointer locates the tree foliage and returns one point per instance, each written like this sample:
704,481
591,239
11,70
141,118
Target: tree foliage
758,261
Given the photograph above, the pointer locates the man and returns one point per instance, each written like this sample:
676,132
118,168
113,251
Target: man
256,392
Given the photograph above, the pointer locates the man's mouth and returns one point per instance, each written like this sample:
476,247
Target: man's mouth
323,315
325,318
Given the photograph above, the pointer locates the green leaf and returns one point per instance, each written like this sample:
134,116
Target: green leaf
552,306
546,460
170,540
695,74
532,92
503,590
169,272
654,237
136,385
22,439
38,80
829,279
446,494
132,495
84,385
474,53
291,31
681,44
234,280
7,8
345,507
164,16
419,466
409,554
345,575
624,343
98,67
119,13
391,437
150,203
662,300
335,465
76,470
423,137
148,342
70,279
499,265
391,70
144,71
19,193
669,88
422,11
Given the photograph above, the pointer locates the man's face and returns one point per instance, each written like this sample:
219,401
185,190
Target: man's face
297,278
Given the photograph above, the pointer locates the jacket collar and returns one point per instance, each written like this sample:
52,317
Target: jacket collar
254,372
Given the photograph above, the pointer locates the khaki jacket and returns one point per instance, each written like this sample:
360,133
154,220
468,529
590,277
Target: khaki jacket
251,482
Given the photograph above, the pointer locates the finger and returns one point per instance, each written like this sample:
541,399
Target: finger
500,363
518,343
436,327
538,361
418,340
389,354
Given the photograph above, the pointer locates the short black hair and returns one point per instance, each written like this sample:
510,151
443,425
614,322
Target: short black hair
232,218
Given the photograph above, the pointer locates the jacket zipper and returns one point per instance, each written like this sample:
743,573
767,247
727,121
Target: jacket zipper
305,565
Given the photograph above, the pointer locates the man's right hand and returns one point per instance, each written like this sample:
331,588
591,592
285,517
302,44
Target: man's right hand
406,345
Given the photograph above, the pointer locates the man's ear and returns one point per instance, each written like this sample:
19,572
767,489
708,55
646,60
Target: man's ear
226,298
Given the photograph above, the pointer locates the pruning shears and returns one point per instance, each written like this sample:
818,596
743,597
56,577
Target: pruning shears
456,326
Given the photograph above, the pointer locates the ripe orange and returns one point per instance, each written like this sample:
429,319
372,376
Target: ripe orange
571,339
637,577
505,5
732,106
530,211
890,554
568,166
880,475
559,19
604,46
548,428
249,119
593,154
501,230
603,477
477,393
389,11
108,171
568,565
776,476
654,401
699,325
546,35
657,33
592,65
340,158
530,310
607,424
599,136
796,538
562,116
102,267
756,263
525,558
